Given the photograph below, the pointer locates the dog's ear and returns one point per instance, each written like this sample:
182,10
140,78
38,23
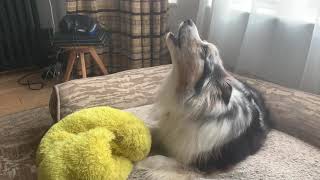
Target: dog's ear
226,90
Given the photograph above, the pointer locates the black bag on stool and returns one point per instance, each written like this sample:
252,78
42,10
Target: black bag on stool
78,23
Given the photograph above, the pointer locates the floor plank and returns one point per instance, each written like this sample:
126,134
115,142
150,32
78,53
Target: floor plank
15,97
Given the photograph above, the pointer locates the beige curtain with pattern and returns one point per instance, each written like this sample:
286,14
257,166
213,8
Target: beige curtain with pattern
138,30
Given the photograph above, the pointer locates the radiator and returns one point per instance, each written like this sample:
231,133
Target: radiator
19,34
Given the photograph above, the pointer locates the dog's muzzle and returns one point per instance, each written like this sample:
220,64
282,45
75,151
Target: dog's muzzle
185,32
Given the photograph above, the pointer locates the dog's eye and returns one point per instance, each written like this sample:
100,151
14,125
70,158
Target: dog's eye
204,51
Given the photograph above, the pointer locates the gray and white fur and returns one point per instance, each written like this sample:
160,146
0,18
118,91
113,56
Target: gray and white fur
207,118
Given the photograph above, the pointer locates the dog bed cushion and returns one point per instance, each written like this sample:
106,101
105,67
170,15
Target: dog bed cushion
282,157
96,143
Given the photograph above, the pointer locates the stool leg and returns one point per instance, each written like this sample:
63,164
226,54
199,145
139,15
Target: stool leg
83,65
97,59
71,59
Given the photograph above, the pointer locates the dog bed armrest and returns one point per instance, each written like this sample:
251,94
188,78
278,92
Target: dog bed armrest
121,90
292,111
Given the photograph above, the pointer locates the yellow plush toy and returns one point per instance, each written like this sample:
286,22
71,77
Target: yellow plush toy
93,144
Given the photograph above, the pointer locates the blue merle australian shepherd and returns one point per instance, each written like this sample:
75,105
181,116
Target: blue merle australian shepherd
208,119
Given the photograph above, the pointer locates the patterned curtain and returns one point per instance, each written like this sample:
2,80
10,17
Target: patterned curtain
138,30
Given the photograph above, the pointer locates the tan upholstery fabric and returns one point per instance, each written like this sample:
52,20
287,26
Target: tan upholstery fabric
138,30
294,112
20,135
283,157
121,90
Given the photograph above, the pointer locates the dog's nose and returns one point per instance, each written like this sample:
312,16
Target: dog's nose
189,22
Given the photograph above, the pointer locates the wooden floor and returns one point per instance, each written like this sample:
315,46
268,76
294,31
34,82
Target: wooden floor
15,98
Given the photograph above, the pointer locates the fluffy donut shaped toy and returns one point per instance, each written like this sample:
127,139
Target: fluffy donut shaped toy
98,143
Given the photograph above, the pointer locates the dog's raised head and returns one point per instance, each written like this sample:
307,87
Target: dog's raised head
196,62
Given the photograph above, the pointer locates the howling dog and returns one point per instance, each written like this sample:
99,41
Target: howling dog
208,119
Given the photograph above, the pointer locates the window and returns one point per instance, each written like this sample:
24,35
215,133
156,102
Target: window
241,5
209,3
306,10
173,1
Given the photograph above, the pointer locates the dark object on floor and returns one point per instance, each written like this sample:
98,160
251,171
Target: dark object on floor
33,85
48,73
52,71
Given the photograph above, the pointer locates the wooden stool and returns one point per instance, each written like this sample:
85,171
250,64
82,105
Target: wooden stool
73,56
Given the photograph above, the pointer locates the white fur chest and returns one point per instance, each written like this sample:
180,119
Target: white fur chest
185,139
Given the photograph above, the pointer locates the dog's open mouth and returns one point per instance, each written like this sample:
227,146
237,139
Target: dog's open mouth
178,37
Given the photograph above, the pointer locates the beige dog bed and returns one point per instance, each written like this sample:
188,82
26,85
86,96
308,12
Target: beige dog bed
282,157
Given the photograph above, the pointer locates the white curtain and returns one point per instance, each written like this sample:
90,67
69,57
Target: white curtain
274,40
